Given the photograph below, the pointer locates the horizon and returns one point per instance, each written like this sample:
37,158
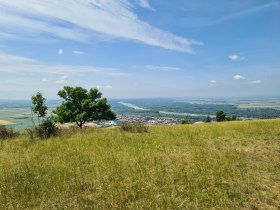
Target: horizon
140,49
170,97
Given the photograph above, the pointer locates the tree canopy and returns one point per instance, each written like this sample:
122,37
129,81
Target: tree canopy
38,105
80,105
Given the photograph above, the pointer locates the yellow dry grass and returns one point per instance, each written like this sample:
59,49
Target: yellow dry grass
232,165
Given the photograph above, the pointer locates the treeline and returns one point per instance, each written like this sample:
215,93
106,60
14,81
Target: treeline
221,116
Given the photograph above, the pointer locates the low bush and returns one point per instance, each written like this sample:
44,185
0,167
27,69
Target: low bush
7,133
45,130
184,122
134,127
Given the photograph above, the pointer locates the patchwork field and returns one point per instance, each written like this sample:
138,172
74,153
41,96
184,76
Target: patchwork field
232,165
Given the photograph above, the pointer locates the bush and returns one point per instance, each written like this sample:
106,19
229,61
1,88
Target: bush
233,118
134,127
220,116
7,133
208,119
45,130
184,122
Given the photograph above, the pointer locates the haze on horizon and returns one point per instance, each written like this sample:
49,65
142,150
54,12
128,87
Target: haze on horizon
140,48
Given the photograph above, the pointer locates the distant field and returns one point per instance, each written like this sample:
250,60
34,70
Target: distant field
18,117
194,110
233,165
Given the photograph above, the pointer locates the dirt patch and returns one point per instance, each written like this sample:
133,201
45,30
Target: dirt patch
4,122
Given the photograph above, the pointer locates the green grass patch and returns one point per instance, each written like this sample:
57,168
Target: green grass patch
232,165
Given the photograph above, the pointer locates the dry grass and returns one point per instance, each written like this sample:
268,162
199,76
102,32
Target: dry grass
232,165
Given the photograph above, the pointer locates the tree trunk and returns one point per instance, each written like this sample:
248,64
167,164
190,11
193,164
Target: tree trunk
80,124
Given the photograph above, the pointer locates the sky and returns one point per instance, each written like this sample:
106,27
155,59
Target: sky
140,48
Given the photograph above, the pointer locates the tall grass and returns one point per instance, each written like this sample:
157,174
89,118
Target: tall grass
232,165
134,127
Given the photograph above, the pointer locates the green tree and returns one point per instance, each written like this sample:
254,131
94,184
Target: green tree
38,106
220,116
208,119
81,105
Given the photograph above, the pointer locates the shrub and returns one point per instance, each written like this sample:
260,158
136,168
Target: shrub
45,130
7,133
220,116
134,127
208,119
234,118
184,122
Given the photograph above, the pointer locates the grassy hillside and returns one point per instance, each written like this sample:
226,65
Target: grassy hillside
234,165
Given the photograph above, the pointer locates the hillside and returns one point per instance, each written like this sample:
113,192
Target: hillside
232,165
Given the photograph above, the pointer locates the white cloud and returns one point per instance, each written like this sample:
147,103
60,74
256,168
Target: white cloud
44,80
64,77
116,74
62,80
7,36
161,68
210,21
104,87
76,52
145,4
18,64
255,82
249,11
213,82
112,18
238,77
236,57
10,59
60,52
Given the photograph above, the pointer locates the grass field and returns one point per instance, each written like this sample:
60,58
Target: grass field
233,165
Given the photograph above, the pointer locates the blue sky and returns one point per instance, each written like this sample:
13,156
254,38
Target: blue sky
140,48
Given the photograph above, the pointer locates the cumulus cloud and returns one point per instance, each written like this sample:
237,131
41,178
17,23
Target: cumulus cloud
76,52
255,82
238,77
44,80
213,82
235,57
63,19
60,52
